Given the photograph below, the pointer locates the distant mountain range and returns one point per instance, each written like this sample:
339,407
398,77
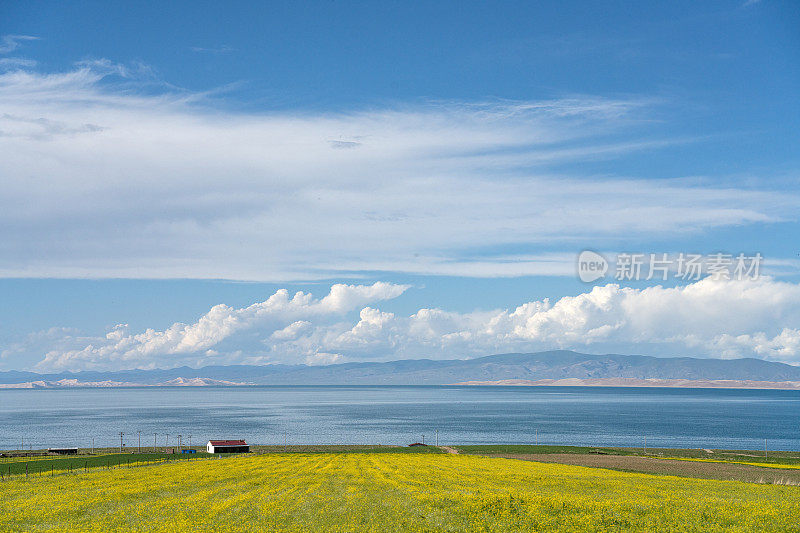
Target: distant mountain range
543,368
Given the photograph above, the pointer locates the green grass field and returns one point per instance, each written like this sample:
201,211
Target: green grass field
44,465
343,448
387,492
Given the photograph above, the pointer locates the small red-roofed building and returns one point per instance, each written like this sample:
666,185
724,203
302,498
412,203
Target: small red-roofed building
227,446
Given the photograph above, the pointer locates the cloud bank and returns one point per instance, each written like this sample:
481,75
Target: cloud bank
707,318
109,173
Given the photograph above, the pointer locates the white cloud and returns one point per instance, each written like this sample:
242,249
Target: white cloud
224,49
9,43
707,318
153,348
109,180
16,63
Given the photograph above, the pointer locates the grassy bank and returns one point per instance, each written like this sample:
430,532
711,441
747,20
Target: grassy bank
343,448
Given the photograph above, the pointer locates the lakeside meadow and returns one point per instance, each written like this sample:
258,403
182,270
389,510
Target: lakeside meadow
388,492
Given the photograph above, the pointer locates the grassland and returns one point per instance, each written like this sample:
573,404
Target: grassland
343,448
388,492
44,465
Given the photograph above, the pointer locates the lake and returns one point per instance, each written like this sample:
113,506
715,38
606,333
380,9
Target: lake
685,418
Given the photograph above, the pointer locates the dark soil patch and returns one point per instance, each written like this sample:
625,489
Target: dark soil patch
670,467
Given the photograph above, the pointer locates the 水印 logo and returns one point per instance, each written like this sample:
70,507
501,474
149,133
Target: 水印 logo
591,266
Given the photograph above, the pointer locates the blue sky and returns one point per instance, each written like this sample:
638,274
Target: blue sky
160,160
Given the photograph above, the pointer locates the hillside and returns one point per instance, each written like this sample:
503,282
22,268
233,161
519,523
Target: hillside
552,365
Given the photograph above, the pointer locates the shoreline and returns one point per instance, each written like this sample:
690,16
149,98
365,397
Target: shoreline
563,382
636,382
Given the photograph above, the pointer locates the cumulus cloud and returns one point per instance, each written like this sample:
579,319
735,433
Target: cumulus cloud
707,318
112,180
151,348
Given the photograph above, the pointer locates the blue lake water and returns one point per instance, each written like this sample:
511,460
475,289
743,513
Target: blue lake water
686,418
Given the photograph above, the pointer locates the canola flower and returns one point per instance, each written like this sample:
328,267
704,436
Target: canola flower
388,492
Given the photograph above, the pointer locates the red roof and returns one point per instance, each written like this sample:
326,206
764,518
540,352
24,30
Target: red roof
228,443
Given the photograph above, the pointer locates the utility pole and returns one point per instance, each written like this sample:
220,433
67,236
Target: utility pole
139,434
765,448
155,442
423,438
537,436
167,443
437,438
179,442
92,445
645,444
120,441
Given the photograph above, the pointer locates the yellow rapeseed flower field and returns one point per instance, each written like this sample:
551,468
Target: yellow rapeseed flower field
388,492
